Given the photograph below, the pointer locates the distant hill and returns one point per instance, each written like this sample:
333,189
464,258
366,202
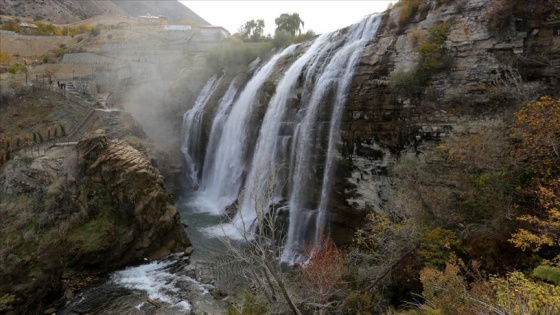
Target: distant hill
68,11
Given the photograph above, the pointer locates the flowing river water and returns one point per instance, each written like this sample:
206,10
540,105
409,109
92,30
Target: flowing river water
177,284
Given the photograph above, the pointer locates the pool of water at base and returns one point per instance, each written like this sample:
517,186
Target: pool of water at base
177,284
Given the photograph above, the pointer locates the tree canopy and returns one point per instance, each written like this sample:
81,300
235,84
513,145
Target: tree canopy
252,30
290,23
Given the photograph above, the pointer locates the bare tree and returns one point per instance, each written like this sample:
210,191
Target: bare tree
508,81
261,249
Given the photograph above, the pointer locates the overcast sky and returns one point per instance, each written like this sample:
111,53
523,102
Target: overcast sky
319,16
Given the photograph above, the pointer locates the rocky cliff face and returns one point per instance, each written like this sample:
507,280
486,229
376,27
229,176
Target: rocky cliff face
68,11
488,65
77,212
496,58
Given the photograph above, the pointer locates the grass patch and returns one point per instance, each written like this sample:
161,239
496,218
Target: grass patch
92,236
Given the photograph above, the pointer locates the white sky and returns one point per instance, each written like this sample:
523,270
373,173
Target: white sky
319,16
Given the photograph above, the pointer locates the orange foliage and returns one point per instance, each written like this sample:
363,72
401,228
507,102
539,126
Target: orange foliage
324,275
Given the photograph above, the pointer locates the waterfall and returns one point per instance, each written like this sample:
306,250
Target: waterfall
192,131
336,75
363,33
262,181
217,128
223,179
289,163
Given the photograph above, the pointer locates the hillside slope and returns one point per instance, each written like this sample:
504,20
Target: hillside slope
68,11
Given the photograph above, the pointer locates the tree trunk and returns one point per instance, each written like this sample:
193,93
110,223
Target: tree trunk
285,293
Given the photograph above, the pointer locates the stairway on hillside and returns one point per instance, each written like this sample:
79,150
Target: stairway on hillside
84,99
77,132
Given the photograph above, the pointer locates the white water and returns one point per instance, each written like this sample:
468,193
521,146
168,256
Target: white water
222,183
337,76
262,186
294,156
217,129
364,32
192,130
159,283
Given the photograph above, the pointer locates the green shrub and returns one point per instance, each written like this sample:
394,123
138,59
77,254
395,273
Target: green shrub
409,83
234,55
432,56
6,301
17,68
95,31
547,273
305,37
46,58
59,52
359,303
11,25
408,9
437,246
432,60
282,38
247,304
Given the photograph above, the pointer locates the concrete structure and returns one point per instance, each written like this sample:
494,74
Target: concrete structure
176,27
151,19
214,31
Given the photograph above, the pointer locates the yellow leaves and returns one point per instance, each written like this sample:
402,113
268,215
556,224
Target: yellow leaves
538,127
545,230
519,295
447,292
437,246
529,240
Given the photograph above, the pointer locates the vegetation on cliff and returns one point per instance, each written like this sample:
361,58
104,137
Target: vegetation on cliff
249,43
481,219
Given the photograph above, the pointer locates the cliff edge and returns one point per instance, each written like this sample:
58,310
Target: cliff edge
77,212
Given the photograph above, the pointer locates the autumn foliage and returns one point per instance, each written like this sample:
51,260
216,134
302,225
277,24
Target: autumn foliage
537,128
324,275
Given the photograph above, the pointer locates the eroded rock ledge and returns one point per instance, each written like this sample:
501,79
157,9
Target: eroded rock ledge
77,212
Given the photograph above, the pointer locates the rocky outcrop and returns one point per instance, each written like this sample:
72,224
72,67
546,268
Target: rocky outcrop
491,68
133,191
488,67
77,212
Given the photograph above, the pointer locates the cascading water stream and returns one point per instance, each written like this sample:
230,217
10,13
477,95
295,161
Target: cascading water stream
294,155
262,181
361,38
298,137
192,125
217,129
336,75
222,182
